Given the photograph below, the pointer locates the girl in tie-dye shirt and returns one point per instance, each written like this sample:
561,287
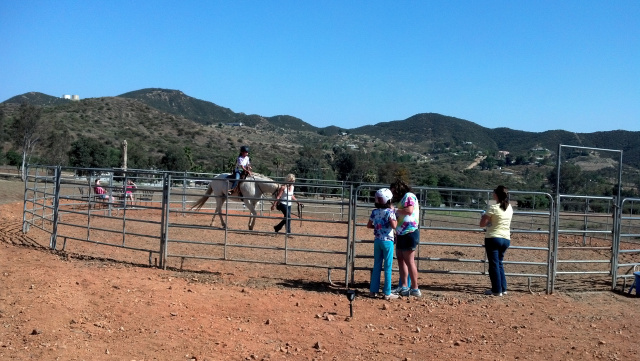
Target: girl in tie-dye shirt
408,230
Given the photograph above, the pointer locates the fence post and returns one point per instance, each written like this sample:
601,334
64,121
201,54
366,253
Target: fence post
56,208
615,240
164,223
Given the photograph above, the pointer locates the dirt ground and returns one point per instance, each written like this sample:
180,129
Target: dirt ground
65,306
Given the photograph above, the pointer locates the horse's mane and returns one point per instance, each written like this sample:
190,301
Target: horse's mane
264,177
253,174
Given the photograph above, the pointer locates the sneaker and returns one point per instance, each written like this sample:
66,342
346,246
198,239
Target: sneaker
399,290
415,293
373,295
504,293
491,293
391,296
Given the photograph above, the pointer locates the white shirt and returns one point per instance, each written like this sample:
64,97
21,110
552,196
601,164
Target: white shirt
242,162
287,193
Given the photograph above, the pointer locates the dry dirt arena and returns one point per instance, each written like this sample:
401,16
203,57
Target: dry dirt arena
58,305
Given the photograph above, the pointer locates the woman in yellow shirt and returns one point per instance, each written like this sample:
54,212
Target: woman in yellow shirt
497,238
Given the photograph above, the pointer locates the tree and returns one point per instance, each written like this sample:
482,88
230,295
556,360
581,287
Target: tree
307,168
29,129
138,157
391,171
89,153
57,145
570,178
344,165
175,159
13,158
277,161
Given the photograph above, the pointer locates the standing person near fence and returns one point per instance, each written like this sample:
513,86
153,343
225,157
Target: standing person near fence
408,231
283,203
383,222
129,189
497,239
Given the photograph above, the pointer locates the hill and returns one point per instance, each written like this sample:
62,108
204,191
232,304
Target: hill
158,123
38,99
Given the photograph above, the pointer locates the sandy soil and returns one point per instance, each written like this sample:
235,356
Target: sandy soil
66,306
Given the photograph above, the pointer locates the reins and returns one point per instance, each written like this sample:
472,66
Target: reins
300,206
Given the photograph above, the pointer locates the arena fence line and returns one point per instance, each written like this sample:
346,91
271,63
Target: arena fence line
159,227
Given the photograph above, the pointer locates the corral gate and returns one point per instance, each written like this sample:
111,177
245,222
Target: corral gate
456,213
586,229
319,238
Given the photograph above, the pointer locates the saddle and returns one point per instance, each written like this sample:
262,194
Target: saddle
236,190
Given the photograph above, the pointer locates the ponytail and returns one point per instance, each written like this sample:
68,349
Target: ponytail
503,196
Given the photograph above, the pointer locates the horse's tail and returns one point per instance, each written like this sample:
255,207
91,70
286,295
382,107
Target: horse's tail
197,205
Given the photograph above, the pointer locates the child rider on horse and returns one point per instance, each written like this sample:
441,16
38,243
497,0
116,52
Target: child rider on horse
243,165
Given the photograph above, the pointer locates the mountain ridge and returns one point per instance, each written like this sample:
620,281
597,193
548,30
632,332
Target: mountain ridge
420,134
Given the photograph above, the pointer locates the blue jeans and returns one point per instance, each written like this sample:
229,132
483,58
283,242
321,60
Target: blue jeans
286,212
236,175
382,260
495,248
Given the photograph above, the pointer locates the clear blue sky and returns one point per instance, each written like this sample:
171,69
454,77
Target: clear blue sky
526,65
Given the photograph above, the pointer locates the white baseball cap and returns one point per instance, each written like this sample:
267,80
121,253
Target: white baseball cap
383,195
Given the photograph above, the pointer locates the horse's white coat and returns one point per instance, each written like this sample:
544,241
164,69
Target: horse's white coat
256,187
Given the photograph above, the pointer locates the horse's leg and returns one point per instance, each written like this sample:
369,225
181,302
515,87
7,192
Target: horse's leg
219,203
251,206
213,218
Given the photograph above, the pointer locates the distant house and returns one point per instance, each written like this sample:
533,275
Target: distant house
234,124
502,154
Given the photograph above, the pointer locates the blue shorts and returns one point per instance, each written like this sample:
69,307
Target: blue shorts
409,241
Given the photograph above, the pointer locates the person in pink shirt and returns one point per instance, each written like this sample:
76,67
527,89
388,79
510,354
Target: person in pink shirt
100,192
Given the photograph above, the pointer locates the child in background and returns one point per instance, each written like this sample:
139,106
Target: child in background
130,188
100,192
383,222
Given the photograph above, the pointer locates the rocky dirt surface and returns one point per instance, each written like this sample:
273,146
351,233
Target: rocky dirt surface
65,306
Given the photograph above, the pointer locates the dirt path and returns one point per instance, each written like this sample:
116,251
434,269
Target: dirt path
476,162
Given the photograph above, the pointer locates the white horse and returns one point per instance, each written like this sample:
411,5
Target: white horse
256,187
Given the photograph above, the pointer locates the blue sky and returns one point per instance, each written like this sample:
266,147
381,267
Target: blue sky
526,65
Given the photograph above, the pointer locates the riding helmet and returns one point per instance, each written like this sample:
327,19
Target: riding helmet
383,196
244,148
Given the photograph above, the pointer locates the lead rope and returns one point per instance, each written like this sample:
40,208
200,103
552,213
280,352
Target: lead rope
300,206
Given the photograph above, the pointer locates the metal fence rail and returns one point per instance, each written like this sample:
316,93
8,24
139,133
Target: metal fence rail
331,233
193,235
529,257
628,256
